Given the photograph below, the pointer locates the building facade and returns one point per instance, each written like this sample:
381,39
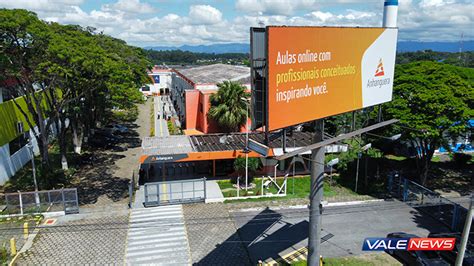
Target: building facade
15,135
191,89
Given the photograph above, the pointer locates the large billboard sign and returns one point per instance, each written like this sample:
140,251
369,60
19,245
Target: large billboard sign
316,72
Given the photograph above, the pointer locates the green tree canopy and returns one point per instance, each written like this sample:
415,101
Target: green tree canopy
229,106
433,102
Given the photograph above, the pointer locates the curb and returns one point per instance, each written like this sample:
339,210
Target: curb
325,204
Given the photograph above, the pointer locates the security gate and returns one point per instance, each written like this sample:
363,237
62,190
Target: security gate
175,192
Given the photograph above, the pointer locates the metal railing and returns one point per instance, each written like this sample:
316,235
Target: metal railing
42,201
175,192
433,204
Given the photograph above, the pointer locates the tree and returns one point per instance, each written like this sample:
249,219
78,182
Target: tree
23,40
239,167
433,102
229,107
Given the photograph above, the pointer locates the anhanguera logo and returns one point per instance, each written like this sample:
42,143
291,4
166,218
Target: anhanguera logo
379,71
378,81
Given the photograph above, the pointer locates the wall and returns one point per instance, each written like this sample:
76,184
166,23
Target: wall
10,164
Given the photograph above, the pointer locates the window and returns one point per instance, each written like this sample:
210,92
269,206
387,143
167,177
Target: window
18,143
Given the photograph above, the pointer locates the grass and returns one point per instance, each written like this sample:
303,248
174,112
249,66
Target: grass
395,157
362,260
301,189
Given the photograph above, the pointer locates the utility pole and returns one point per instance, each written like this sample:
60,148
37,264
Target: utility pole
465,233
316,196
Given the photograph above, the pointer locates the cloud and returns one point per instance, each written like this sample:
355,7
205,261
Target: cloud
132,6
271,7
421,20
204,14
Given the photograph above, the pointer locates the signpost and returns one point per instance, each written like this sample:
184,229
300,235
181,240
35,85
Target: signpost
303,74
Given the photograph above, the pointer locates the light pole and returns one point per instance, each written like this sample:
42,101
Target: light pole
30,148
465,233
359,154
246,145
331,164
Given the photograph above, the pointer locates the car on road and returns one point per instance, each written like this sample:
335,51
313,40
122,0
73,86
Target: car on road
416,257
450,256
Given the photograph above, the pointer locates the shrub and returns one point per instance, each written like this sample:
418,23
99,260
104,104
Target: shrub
239,167
461,159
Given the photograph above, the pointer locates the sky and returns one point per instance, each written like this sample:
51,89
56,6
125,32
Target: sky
193,22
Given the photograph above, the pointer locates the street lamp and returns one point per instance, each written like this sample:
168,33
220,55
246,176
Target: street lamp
246,144
30,148
359,154
331,164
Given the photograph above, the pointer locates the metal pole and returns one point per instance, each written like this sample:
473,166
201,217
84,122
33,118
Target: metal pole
30,148
465,234
294,162
357,172
247,149
315,197
238,186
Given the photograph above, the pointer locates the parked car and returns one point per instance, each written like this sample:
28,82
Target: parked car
116,128
417,257
450,256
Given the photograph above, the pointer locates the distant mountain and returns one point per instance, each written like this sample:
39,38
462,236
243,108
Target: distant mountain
212,48
411,46
403,46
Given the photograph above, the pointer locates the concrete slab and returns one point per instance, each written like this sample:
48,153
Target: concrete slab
213,191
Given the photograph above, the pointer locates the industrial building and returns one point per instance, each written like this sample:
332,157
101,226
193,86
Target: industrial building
15,134
190,88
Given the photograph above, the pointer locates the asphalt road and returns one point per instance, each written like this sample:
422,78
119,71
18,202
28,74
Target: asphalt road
273,233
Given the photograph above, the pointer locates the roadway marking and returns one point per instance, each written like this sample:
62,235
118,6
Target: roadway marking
157,236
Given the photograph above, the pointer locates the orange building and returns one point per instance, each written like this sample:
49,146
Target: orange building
191,88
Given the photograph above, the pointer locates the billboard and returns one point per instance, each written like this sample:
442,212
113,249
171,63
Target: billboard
316,72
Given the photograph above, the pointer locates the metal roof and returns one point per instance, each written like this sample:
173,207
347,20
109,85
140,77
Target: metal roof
175,144
178,144
216,73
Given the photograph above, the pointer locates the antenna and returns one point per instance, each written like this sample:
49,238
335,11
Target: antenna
460,48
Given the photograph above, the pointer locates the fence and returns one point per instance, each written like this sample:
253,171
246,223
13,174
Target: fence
42,201
175,192
429,202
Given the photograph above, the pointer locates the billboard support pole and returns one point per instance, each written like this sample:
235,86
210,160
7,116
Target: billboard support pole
316,196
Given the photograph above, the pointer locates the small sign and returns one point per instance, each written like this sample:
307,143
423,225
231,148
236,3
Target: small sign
258,148
50,221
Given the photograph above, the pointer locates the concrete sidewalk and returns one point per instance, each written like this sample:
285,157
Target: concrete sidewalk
161,127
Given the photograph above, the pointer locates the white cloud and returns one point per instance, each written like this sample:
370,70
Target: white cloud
132,6
423,20
272,7
204,14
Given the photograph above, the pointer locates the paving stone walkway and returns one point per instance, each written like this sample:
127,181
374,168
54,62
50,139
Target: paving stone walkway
212,235
98,240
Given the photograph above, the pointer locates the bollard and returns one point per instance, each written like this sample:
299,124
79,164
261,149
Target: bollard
25,230
321,260
12,246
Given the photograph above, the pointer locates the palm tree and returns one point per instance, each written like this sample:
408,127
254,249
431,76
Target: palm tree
228,106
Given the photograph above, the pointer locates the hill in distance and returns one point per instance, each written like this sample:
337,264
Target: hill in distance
403,46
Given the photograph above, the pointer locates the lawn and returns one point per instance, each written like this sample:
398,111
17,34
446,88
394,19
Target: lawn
299,187
362,260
